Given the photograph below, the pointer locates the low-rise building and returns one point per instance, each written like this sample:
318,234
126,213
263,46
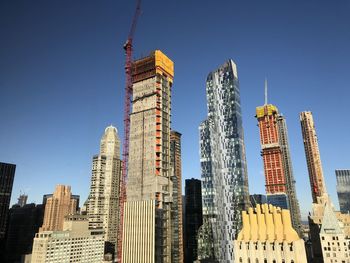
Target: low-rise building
76,243
267,236
335,246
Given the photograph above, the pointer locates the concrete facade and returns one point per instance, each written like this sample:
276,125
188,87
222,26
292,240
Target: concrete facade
176,207
267,236
150,171
139,219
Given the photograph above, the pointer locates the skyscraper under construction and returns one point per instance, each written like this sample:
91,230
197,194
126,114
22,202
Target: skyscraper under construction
313,157
279,179
147,227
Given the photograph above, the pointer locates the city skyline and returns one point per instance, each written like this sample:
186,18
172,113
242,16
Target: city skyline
42,90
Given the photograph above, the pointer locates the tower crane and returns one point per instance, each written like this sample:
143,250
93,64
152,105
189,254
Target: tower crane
128,47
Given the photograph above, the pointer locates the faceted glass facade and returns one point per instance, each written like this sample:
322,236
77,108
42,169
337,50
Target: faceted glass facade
223,163
343,190
280,200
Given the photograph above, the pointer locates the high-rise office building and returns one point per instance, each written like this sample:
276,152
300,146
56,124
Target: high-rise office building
147,226
267,236
223,163
24,223
103,200
280,183
205,249
343,190
7,175
73,243
57,207
176,206
194,217
313,159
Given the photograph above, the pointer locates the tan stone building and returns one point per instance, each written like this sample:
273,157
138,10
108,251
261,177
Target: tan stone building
316,223
267,236
335,246
147,226
103,202
74,243
57,207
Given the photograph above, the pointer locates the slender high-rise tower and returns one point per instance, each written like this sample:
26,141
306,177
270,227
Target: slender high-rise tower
147,226
103,201
57,206
224,171
176,207
280,183
313,159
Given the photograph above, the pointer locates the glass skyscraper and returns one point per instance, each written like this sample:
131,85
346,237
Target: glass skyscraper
343,190
223,163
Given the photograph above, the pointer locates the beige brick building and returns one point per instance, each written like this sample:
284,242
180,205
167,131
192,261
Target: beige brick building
57,207
74,243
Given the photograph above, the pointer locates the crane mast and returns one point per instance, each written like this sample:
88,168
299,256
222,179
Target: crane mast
128,47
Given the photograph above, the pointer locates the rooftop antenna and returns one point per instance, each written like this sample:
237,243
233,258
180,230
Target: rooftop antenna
265,91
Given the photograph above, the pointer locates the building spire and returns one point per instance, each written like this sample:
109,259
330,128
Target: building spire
265,91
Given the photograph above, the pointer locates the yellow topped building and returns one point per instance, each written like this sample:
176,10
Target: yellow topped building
267,236
149,188
267,109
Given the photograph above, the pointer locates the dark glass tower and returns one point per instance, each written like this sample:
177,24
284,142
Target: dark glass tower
24,223
343,190
7,175
194,217
223,162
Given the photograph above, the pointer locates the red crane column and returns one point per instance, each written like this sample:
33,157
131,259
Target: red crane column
127,107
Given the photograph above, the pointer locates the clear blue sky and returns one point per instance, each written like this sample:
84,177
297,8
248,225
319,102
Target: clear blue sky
62,79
